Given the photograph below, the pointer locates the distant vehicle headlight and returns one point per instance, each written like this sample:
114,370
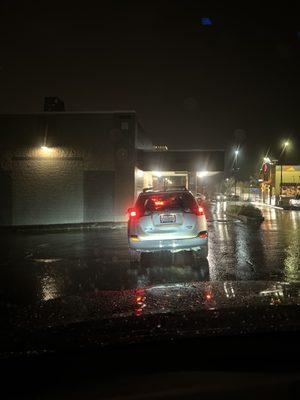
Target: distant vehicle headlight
218,197
225,197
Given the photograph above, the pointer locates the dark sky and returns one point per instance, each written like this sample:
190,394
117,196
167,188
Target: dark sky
193,86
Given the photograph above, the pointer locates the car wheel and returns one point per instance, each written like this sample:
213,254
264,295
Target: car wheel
202,253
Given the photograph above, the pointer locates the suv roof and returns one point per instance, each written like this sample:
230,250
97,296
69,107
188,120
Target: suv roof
169,189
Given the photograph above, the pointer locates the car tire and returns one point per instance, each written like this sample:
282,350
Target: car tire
202,253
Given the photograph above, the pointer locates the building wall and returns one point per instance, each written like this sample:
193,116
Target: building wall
47,190
125,160
87,175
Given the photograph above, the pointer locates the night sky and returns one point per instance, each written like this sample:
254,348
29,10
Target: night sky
193,85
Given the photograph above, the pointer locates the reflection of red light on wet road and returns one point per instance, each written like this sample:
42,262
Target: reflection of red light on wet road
139,300
208,296
138,312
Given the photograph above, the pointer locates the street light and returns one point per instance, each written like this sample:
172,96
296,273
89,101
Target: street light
236,152
285,145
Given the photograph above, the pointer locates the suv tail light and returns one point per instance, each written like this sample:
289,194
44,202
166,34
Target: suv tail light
133,213
198,211
203,235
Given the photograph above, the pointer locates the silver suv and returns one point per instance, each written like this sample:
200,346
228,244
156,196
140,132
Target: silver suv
167,220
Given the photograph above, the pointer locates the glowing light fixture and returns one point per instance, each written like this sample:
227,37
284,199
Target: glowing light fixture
158,174
46,149
236,152
202,174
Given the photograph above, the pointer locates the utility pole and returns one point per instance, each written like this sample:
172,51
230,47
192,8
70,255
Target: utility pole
285,145
235,169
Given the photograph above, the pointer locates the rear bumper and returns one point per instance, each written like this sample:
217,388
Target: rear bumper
173,245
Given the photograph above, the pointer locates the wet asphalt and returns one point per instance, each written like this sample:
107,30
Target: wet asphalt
43,266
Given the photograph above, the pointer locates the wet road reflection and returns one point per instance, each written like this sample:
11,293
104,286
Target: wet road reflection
37,267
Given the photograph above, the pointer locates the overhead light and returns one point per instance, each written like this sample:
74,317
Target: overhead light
46,149
267,160
201,174
236,152
157,173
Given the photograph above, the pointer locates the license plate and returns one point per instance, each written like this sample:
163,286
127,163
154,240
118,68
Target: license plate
168,218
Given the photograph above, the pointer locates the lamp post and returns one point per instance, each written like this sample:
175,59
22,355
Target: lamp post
285,145
236,152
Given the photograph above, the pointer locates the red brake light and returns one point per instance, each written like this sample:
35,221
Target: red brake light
198,211
203,235
133,213
208,296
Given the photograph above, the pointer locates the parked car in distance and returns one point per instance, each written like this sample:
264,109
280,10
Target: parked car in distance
219,197
233,197
295,202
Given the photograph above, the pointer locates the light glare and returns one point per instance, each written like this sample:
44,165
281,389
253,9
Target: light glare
156,173
201,174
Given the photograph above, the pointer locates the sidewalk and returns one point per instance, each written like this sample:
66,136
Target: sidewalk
261,204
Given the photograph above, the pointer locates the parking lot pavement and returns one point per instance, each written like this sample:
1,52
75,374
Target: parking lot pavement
43,266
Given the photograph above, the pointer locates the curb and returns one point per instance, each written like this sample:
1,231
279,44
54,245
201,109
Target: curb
56,228
267,205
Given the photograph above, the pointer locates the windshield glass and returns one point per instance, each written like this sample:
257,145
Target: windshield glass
149,172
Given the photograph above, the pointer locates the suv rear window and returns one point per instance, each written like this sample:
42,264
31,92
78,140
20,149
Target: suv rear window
165,201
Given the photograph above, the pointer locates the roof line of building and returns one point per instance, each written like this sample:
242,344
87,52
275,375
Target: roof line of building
179,150
69,112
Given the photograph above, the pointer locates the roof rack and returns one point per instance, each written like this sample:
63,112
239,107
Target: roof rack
150,189
167,189
174,187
